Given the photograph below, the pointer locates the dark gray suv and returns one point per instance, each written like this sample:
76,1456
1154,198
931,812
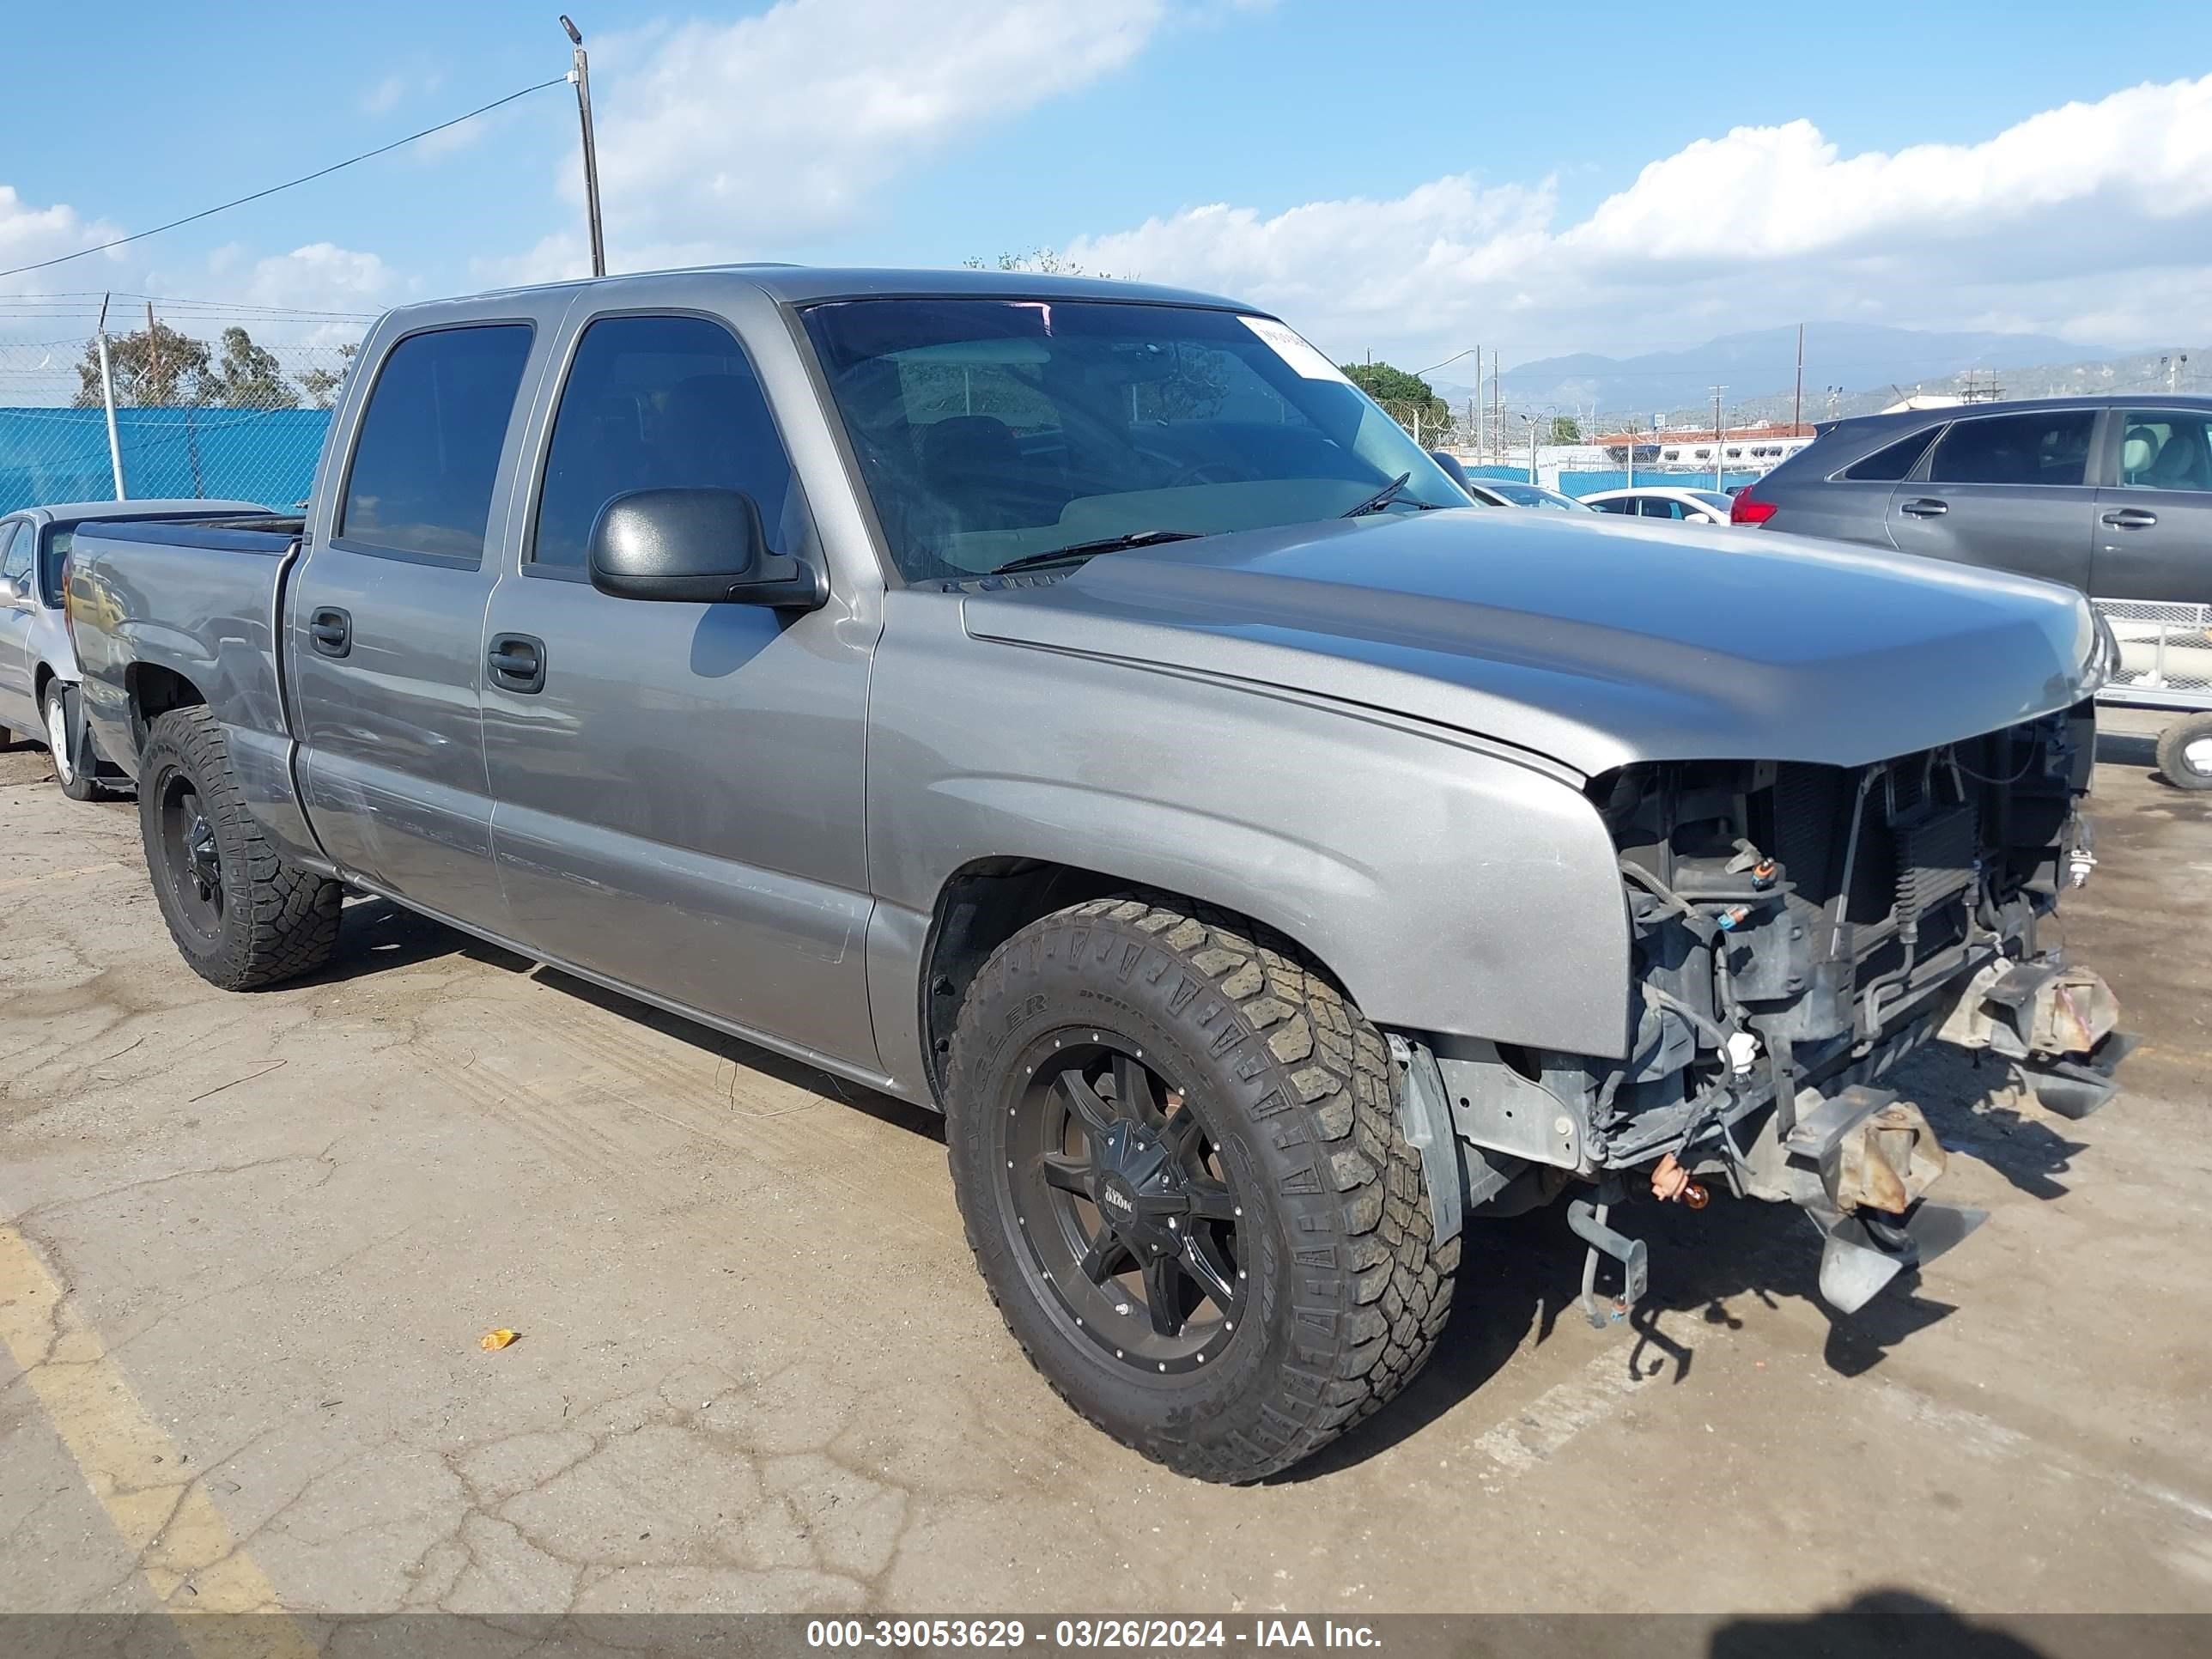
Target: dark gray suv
2112,496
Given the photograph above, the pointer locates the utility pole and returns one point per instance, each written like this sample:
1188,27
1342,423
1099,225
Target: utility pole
1497,406
580,76
107,398
1720,433
1797,403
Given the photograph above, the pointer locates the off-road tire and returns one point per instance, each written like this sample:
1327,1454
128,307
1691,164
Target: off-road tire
81,783
2174,745
278,920
1350,1295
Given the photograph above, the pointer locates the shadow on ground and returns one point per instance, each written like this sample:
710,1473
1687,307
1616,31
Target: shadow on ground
1879,1624
1519,1277
378,936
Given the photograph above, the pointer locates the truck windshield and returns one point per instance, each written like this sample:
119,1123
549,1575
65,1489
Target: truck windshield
993,430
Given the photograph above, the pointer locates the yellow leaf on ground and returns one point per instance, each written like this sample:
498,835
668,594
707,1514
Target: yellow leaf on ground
495,1340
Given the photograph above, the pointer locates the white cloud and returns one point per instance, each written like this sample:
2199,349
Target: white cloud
721,140
399,87
2093,220
384,96
321,276
29,235
556,258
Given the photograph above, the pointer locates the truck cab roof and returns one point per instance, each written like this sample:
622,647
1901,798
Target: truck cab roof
810,284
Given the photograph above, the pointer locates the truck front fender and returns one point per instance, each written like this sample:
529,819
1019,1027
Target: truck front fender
1449,887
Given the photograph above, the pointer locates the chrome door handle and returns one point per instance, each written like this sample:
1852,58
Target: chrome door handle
1925,508
2132,518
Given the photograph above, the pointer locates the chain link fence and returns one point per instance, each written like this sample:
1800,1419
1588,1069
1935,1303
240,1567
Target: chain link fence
223,417
2165,653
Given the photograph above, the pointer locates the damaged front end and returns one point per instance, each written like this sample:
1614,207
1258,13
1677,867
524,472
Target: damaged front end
1797,930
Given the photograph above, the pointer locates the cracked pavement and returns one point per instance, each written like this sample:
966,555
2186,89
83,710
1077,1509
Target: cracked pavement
756,1369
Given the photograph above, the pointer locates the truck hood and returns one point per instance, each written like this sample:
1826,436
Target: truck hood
1595,644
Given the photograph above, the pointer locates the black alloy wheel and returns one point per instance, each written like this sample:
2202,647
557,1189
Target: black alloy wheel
191,861
1124,1204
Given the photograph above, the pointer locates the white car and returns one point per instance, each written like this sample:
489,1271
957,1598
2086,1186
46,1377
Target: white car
38,663
1688,506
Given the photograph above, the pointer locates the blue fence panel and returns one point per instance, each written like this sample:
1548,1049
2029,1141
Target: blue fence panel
255,455
1589,483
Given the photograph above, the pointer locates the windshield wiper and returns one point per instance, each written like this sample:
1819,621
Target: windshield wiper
1384,496
1103,544
1381,498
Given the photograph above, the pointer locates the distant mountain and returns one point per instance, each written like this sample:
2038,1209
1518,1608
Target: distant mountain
1862,358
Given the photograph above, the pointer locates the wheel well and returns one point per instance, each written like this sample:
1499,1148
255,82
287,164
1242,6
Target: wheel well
39,682
154,691
986,903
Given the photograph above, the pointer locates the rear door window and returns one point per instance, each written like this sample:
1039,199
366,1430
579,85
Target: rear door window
2043,448
2166,449
1890,464
15,551
426,465
659,402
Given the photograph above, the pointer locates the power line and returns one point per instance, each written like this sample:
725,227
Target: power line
88,297
305,178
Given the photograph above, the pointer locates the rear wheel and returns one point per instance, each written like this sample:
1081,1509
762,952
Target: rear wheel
242,916
60,712
2185,752
1176,1150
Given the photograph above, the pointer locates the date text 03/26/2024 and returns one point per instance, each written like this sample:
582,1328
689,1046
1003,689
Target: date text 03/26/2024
1139,1634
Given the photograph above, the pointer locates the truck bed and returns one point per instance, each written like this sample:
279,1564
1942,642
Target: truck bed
217,590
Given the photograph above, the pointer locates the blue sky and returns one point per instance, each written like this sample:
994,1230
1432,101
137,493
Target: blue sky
1450,172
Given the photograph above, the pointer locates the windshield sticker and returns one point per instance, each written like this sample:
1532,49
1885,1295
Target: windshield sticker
1291,349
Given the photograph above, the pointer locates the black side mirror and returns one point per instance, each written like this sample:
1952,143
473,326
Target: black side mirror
1454,469
696,546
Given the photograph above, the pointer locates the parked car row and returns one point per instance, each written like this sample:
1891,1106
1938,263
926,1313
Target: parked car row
1063,704
2110,495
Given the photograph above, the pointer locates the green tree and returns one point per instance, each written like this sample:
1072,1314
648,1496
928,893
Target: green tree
155,366
321,384
247,376
1566,429
1045,261
1411,400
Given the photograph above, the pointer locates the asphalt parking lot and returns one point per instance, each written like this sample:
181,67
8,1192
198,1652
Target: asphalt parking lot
250,1244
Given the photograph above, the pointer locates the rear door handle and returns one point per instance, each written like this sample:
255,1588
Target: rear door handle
330,631
1925,508
517,662
2132,518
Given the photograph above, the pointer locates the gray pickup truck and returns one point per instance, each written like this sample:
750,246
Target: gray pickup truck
1073,706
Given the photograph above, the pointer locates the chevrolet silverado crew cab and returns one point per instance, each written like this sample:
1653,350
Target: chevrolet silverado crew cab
1073,706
